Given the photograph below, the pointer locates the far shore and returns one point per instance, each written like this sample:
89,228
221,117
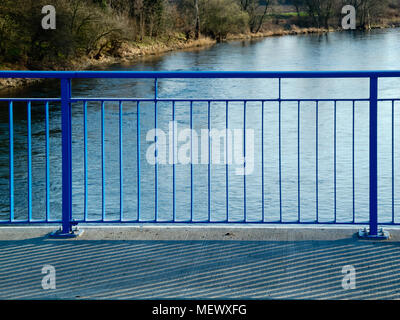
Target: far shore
132,52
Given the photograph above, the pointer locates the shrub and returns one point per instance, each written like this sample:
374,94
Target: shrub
220,17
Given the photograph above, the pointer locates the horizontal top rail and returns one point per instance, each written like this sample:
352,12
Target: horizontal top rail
197,74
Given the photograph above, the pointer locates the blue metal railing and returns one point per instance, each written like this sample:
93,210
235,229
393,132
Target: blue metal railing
66,100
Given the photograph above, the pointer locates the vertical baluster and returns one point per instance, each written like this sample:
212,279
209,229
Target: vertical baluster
29,135
280,152
121,167
11,158
393,161
191,161
227,159
353,162
262,163
138,157
85,168
209,161
103,173
156,153
47,161
334,160
316,160
244,163
173,163
298,164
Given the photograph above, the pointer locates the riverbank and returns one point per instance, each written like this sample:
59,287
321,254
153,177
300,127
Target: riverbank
279,32
131,52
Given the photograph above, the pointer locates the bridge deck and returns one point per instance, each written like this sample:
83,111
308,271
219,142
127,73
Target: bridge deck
195,263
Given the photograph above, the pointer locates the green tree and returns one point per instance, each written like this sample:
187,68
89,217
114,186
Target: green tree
220,17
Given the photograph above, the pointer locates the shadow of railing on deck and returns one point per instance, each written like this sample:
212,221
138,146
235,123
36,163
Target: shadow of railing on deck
113,269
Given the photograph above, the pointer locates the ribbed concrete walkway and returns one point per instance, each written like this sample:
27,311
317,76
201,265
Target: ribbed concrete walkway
198,263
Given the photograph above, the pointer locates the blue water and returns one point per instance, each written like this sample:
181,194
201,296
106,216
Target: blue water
375,50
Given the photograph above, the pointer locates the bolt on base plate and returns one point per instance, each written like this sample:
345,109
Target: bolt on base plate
59,234
382,235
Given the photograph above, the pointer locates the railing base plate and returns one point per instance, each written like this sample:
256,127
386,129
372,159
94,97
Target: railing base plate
59,234
382,235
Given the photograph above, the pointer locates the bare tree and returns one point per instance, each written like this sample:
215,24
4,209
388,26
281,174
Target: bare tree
367,10
257,12
320,11
298,4
197,24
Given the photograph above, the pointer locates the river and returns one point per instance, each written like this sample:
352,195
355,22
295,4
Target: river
374,50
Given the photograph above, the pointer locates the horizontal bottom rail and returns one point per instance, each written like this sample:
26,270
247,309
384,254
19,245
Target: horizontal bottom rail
196,222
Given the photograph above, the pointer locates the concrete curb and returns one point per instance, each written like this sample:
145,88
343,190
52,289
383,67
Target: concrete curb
242,233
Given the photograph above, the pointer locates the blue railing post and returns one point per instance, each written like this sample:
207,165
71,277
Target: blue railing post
66,156
66,142
373,157
373,164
